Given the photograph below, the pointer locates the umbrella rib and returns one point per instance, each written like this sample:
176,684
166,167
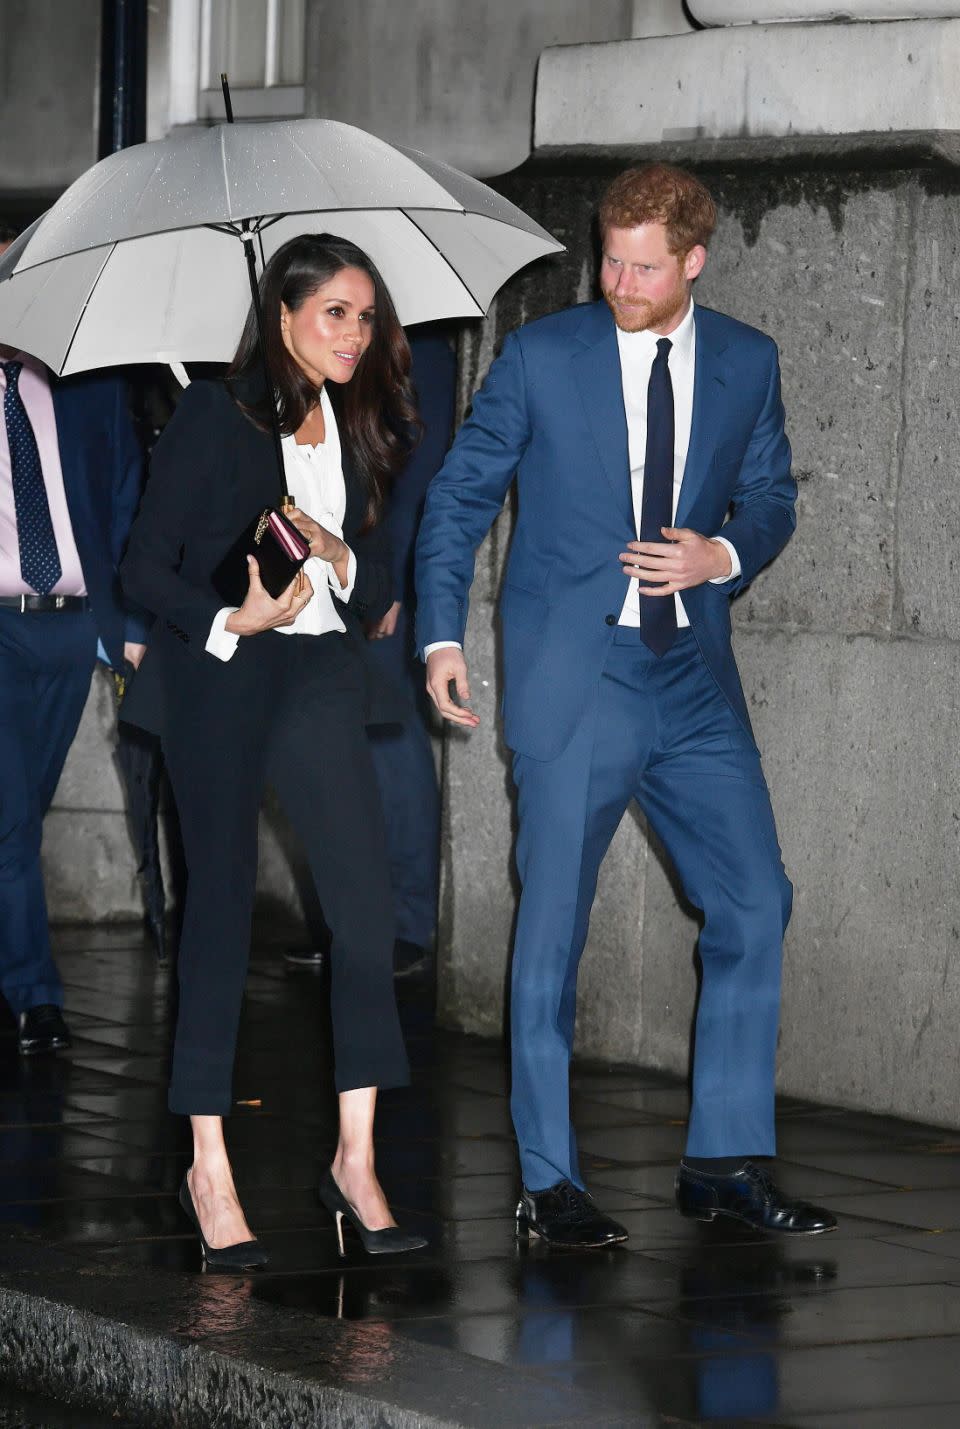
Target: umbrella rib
462,281
291,138
226,176
86,304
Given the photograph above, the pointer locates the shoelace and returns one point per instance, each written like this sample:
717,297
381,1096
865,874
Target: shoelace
759,1178
572,1201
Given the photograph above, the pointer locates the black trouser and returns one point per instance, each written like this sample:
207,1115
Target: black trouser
299,727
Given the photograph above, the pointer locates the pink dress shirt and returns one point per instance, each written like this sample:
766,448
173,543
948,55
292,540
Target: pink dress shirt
38,401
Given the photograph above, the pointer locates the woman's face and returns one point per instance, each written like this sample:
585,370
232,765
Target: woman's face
329,333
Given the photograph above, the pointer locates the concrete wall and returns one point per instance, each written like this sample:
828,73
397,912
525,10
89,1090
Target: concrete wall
49,58
848,647
456,79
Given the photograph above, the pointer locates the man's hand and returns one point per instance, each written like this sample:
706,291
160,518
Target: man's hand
386,625
261,612
133,652
684,559
443,667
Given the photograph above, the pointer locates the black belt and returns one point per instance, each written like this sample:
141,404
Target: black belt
23,603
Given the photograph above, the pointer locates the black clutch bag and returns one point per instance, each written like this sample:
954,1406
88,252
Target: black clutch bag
279,550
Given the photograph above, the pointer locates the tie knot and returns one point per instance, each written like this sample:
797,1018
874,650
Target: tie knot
663,347
12,372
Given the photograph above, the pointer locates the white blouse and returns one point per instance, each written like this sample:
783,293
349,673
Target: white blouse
315,481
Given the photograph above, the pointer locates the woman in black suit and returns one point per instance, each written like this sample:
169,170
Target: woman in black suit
279,691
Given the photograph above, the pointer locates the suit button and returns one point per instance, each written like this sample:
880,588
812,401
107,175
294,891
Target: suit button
610,619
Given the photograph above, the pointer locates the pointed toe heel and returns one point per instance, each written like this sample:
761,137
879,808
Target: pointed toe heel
245,1255
391,1240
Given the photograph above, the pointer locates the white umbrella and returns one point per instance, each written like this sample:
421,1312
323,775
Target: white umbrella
140,259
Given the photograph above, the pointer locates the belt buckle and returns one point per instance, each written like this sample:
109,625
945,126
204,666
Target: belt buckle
23,604
59,601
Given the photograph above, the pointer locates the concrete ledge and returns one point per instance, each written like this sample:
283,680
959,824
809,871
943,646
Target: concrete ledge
765,81
199,1351
768,12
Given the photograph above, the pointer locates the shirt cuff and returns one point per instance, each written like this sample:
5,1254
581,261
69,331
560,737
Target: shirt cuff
734,561
441,645
344,592
222,642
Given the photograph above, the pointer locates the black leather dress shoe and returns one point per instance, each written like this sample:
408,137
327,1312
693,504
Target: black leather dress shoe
749,1196
42,1029
566,1217
410,960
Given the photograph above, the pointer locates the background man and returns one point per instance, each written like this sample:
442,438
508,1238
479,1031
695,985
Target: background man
70,476
637,416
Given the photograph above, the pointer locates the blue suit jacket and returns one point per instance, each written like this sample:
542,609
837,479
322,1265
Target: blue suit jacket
102,475
551,412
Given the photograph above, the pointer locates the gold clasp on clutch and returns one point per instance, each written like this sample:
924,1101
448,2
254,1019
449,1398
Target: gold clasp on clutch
261,530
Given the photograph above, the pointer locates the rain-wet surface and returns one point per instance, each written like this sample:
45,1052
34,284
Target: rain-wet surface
685,1324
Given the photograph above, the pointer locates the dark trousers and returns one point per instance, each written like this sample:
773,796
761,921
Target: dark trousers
403,759
46,661
299,727
660,732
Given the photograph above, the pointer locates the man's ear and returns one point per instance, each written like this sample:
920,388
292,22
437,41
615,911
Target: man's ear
694,262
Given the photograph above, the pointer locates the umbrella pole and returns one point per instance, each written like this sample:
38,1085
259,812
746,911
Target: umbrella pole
248,237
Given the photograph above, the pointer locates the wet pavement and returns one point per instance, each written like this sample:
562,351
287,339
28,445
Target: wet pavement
686,1324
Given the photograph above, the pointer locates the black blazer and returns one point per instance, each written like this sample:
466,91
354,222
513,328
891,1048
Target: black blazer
211,472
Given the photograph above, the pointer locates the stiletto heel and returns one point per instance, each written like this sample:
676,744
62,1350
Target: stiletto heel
389,1241
245,1255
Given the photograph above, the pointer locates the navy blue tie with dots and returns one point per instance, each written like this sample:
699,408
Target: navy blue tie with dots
658,613
39,557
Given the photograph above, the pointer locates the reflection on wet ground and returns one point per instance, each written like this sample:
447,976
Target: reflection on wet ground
685,1324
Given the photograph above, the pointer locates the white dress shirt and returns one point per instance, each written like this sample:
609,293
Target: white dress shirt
315,481
637,351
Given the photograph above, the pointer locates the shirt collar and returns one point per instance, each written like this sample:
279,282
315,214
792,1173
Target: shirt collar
633,344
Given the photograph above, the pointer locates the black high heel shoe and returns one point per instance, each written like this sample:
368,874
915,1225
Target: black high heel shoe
389,1241
245,1255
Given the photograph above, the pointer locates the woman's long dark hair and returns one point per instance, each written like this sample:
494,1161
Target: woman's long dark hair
376,409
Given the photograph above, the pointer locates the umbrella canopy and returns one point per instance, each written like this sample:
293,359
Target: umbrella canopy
139,260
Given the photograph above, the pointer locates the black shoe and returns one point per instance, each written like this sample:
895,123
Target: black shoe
566,1217
749,1195
42,1029
245,1255
391,1240
305,957
410,959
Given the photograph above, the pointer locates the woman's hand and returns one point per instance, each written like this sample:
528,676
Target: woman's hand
261,612
386,625
323,543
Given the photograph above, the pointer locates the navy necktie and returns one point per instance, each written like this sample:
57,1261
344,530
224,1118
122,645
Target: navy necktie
658,613
39,557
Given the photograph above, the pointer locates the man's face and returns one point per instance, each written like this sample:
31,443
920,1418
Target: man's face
645,285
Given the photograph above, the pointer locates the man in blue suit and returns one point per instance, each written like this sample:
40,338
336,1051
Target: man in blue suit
646,436
70,477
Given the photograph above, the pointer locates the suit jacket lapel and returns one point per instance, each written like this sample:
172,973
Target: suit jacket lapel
711,373
596,366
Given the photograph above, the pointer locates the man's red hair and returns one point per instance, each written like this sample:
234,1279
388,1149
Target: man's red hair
659,193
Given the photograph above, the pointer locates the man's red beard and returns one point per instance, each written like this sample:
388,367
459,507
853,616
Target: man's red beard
639,314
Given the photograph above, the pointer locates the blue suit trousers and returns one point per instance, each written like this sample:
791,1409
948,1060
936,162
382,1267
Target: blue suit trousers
46,661
659,731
